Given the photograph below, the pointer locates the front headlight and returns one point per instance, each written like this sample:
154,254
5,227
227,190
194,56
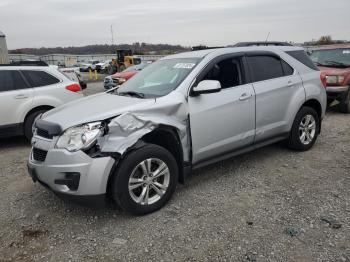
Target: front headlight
121,80
80,137
334,80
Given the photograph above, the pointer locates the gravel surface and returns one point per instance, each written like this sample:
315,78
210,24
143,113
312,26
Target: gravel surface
269,205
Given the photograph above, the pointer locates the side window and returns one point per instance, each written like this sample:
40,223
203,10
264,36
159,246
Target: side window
265,67
302,57
11,80
39,78
287,69
228,72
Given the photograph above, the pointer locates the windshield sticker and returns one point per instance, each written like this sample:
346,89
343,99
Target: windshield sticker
184,65
346,52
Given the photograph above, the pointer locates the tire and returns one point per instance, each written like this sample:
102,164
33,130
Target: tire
29,121
296,139
344,105
130,168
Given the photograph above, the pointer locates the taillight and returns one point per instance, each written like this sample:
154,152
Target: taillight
323,77
74,88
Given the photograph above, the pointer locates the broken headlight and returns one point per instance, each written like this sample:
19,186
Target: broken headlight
80,137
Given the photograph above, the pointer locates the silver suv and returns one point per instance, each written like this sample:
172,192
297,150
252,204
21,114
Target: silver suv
135,143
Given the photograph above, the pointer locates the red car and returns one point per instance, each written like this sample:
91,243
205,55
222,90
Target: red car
121,77
334,63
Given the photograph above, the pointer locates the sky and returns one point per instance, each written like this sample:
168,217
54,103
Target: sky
53,23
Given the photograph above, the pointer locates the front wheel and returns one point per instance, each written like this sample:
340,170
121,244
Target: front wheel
305,129
145,180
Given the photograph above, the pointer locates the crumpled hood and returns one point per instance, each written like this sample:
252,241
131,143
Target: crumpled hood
125,75
94,108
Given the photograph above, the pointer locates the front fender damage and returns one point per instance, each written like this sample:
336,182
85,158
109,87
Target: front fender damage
128,128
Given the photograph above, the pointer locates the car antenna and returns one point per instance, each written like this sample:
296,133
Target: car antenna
267,38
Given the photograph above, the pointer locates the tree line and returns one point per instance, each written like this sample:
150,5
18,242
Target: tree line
137,48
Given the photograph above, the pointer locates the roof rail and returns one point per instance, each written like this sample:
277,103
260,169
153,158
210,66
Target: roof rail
203,47
243,44
27,63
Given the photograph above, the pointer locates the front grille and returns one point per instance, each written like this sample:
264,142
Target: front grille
39,155
43,133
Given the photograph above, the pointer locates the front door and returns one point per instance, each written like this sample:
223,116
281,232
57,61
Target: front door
225,121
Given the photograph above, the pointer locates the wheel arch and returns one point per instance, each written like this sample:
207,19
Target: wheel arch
42,107
168,137
316,105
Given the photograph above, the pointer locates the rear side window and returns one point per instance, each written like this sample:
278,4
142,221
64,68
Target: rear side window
39,78
265,67
287,69
11,80
302,57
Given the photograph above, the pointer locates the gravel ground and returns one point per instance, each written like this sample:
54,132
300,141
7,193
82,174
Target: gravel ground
269,205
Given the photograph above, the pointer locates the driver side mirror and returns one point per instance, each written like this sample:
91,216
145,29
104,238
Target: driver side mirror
206,87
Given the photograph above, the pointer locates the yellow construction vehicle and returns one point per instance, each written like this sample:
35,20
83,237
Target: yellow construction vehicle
124,60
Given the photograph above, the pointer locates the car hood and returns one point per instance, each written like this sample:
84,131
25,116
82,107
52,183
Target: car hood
335,71
94,108
125,75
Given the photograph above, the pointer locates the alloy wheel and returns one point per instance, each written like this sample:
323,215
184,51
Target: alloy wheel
149,181
307,129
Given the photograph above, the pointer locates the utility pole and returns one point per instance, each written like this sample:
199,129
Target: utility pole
112,34
267,38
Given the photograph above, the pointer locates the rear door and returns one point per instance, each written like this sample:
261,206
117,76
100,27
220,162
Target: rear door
16,97
276,85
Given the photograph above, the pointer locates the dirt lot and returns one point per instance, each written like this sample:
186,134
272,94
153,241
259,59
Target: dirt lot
269,205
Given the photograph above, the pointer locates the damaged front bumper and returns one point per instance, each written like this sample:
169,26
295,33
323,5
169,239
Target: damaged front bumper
73,175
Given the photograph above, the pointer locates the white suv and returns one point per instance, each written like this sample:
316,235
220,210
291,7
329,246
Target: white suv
28,91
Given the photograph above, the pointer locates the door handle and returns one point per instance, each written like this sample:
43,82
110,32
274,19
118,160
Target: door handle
21,96
290,84
245,96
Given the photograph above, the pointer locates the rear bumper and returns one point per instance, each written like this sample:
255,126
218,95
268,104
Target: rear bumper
337,89
337,92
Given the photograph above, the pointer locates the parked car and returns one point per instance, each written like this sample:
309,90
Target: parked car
90,65
334,63
103,66
185,111
27,91
74,75
121,77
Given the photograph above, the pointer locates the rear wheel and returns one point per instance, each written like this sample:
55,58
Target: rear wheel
305,129
145,180
344,105
29,122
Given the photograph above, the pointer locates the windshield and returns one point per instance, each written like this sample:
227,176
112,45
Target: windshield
332,57
159,78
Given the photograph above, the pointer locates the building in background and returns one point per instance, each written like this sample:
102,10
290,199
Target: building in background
3,49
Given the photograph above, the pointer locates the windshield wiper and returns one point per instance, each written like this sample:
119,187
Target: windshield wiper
132,93
337,63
